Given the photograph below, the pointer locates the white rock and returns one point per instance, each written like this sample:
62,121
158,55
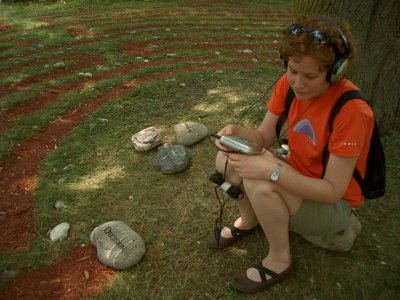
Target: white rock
59,64
69,167
189,133
146,139
59,232
59,204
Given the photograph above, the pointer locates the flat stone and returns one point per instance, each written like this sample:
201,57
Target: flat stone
172,159
190,133
340,242
118,246
146,139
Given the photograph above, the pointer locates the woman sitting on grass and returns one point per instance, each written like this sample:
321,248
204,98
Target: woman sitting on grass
298,195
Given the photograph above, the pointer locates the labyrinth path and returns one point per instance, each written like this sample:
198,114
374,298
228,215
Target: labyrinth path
156,44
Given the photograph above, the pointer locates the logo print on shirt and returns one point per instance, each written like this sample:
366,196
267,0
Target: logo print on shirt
304,127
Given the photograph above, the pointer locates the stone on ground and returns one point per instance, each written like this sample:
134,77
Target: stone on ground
340,242
118,245
190,133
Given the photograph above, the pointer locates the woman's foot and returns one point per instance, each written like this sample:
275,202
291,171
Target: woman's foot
261,277
226,232
229,235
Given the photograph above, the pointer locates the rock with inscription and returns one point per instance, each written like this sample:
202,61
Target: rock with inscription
189,133
172,159
59,232
146,139
118,245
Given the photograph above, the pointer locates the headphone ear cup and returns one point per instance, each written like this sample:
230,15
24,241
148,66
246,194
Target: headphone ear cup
338,70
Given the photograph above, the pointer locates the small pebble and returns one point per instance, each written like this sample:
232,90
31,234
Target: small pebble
59,232
59,205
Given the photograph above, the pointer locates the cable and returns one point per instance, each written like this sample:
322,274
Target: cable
258,100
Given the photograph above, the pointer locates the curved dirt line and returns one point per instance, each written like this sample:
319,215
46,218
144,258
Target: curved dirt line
81,61
13,114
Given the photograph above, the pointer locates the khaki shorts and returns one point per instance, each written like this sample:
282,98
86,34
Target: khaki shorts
313,218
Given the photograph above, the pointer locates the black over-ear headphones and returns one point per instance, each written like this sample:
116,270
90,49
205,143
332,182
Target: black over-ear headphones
339,66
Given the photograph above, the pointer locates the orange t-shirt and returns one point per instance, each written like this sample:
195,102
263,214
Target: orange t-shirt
308,131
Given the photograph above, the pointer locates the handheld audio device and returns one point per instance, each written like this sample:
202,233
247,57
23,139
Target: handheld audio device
240,145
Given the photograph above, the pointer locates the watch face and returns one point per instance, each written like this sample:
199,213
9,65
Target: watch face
274,176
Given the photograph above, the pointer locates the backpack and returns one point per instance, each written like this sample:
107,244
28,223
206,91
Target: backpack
373,185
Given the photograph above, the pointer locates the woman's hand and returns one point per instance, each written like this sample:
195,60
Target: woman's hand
227,130
253,166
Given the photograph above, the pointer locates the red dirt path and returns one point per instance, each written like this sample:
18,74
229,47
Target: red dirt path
77,276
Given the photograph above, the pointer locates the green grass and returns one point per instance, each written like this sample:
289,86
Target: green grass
107,180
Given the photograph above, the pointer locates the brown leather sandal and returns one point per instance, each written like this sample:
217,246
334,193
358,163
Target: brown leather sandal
226,242
242,283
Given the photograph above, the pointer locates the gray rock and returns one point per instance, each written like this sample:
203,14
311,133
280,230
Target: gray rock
146,139
59,232
340,242
118,245
172,159
189,133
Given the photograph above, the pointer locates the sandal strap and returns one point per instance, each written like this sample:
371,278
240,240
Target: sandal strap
264,272
237,232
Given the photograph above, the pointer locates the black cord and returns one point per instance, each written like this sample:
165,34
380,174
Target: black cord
244,114
222,203
258,100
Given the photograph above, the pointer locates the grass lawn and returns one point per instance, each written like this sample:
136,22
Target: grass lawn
159,63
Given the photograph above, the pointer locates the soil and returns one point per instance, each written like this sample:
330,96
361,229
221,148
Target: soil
79,274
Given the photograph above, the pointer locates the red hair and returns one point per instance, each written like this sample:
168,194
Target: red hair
298,45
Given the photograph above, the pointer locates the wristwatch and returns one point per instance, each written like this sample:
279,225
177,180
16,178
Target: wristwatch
275,174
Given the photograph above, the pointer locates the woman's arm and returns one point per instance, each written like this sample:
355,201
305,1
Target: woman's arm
329,189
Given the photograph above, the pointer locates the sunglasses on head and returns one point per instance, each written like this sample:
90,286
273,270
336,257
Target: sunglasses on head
317,35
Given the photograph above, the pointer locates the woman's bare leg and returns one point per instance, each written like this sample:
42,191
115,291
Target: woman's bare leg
272,207
247,217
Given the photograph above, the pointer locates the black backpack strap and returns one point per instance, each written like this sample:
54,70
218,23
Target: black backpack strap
344,98
284,115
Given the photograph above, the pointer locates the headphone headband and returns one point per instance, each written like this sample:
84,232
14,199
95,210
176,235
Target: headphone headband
339,31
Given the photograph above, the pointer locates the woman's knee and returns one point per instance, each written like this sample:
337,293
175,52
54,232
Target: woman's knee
258,190
223,167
